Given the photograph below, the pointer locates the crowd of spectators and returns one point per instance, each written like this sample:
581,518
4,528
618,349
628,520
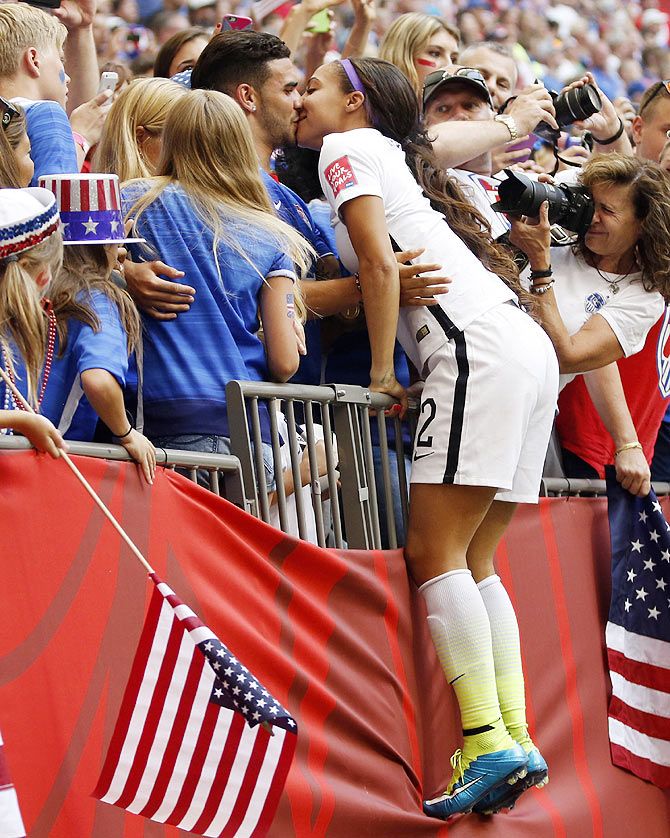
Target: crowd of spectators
192,194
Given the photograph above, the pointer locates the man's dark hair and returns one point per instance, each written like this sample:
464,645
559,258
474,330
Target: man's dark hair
234,58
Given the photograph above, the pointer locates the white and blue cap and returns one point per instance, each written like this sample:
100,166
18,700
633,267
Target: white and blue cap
27,218
90,208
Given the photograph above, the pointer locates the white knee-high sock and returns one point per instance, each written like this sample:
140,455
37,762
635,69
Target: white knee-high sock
460,629
507,656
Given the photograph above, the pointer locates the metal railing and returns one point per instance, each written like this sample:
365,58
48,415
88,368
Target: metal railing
340,465
224,471
340,504
573,487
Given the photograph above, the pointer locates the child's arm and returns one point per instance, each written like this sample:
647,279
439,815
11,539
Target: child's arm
278,313
37,429
106,398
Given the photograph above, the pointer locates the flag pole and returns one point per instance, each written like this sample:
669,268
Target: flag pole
84,482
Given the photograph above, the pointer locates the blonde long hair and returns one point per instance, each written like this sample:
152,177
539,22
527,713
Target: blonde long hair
406,37
86,269
208,150
145,103
22,317
10,138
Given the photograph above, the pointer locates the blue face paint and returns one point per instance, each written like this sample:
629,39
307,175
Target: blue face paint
61,76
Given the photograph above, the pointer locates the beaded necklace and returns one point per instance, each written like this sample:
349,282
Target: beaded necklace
51,345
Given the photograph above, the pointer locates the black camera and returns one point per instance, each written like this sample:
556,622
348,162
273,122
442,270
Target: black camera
571,106
570,207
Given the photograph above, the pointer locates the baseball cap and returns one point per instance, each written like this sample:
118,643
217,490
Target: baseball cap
459,75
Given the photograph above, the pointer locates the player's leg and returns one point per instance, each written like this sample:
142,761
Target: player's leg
504,626
443,521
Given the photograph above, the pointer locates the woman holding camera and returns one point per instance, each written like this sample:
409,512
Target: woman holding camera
487,406
599,299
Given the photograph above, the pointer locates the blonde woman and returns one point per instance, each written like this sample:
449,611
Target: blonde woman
27,260
418,44
131,139
208,212
16,165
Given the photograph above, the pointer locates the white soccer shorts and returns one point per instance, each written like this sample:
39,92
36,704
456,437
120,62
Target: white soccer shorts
488,406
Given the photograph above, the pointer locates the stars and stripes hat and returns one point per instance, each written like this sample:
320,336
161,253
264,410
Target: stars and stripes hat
27,217
90,208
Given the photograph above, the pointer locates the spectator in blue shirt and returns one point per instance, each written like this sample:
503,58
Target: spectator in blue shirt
32,74
209,213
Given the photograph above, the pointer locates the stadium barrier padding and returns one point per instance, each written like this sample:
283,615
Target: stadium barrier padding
338,636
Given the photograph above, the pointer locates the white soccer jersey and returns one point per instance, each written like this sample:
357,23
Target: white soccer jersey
582,292
364,162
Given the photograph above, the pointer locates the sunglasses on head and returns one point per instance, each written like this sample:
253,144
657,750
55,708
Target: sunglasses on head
662,85
461,72
9,112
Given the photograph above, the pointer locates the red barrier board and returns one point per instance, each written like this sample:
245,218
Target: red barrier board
339,637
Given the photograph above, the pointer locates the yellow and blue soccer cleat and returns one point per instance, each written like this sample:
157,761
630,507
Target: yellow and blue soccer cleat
505,797
475,779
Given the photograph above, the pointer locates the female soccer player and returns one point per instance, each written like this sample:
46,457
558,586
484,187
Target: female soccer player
488,403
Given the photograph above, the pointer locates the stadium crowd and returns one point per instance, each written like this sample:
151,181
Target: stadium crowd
191,194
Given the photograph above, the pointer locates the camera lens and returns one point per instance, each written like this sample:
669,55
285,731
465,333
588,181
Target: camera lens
569,206
519,195
576,104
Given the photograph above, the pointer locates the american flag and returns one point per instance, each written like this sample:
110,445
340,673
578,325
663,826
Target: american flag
11,823
638,635
193,746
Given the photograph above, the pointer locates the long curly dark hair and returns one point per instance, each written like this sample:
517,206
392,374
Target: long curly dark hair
394,111
650,197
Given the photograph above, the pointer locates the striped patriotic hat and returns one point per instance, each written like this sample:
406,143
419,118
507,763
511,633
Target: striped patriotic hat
27,217
90,208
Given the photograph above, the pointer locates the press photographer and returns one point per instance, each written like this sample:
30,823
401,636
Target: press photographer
456,142
598,299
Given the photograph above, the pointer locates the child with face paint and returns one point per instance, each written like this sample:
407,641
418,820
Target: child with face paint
32,75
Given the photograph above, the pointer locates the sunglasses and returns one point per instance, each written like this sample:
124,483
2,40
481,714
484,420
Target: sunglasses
460,73
662,85
9,112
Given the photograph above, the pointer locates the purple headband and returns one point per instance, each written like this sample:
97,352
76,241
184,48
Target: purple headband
352,75
357,84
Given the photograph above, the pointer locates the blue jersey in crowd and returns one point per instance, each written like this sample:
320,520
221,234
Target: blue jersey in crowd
86,349
189,361
52,147
294,211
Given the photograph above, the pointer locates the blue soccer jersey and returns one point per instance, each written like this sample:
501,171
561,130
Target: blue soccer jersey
86,349
189,361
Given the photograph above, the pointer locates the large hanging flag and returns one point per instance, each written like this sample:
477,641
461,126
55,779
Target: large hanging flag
638,635
199,742
11,823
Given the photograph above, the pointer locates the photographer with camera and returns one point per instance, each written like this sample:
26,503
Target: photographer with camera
599,298
534,110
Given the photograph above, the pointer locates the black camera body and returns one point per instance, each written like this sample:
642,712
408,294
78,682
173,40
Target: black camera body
570,207
570,106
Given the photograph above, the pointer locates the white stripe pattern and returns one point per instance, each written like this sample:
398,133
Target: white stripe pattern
636,647
643,746
141,707
640,698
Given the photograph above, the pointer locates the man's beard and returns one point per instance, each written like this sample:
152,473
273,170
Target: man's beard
279,133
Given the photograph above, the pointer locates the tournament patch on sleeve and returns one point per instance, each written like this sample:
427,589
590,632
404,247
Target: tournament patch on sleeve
340,175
